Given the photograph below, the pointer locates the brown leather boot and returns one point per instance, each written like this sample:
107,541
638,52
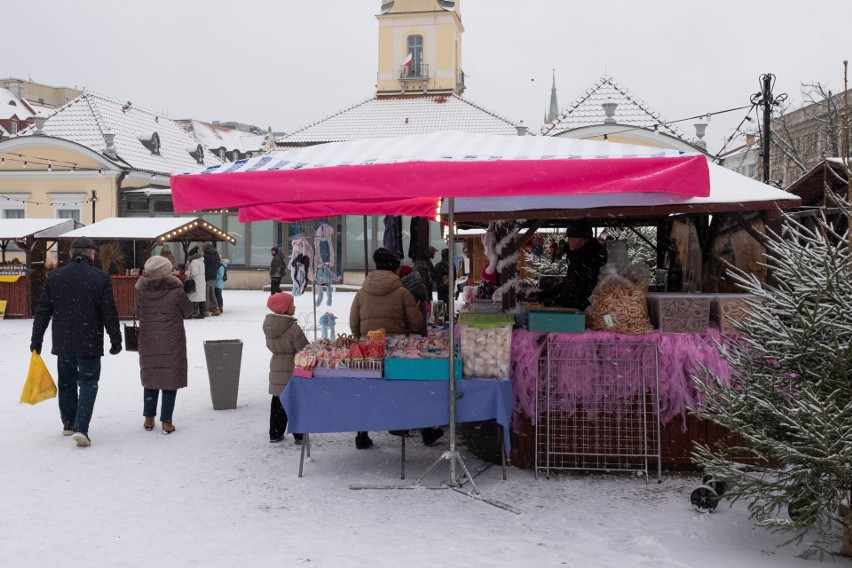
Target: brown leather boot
168,427
149,423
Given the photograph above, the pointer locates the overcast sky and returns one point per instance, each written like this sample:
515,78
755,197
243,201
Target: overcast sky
287,63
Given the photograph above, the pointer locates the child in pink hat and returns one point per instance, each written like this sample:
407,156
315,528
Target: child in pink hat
284,338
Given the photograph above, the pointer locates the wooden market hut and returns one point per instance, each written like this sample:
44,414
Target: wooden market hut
24,246
125,243
732,196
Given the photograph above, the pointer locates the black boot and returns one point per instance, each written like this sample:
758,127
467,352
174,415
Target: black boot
363,441
431,435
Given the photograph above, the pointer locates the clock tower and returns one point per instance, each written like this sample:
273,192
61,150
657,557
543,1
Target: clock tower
420,48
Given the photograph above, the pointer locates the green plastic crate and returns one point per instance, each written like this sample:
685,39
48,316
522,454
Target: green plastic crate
556,321
486,320
421,369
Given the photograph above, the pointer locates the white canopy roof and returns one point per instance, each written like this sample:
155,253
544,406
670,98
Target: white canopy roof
19,228
729,191
152,228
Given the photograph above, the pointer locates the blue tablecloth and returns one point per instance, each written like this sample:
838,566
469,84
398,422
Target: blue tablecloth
355,405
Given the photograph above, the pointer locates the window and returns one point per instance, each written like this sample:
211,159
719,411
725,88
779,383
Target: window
13,205
67,205
261,238
415,48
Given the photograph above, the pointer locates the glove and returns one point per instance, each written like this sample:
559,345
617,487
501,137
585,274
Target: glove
35,347
115,349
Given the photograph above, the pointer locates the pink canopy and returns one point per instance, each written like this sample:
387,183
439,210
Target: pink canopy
406,175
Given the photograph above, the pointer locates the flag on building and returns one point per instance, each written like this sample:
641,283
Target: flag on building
409,59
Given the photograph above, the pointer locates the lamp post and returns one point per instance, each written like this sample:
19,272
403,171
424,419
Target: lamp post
767,100
94,201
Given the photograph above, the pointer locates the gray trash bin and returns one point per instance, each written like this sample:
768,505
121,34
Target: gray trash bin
223,367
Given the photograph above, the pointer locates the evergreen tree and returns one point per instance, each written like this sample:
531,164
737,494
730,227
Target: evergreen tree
789,404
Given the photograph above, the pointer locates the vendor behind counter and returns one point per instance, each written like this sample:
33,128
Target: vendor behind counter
586,256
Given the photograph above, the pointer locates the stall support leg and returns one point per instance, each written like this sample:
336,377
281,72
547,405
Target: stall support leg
502,449
402,459
306,447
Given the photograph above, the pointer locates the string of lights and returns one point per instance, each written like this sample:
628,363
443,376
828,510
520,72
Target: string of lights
64,203
657,125
27,160
730,138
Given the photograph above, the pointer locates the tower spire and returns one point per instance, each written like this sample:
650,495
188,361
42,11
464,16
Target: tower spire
553,110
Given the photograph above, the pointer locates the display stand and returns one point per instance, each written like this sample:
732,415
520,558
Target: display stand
452,455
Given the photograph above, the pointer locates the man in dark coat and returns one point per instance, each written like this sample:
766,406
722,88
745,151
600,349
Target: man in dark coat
276,271
78,297
211,269
586,257
442,276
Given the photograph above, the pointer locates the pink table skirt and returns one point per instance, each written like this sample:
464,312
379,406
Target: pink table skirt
680,356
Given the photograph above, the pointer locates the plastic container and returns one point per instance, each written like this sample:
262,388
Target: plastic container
421,369
726,309
679,312
486,345
556,321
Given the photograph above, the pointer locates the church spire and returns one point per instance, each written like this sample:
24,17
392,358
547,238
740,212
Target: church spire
553,111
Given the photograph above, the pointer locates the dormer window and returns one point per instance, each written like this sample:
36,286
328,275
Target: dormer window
196,152
13,103
151,140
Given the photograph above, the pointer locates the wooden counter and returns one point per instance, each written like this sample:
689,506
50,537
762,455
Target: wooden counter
13,289
124,290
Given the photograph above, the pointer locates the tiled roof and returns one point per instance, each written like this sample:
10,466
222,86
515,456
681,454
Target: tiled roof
12,106
85,119
586,110
389,116
214,136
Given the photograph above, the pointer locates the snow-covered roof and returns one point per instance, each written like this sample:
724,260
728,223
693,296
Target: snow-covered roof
152,228
586,110
214,136
88,117
400,115
11,105
19,228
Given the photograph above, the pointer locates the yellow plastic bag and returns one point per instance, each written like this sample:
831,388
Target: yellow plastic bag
39,385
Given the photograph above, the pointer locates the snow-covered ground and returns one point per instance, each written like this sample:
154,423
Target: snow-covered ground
217,493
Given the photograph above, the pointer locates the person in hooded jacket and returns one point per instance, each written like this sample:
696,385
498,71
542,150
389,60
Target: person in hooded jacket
212,260
78,298
442,275
284,338
383,303
195,271
161,306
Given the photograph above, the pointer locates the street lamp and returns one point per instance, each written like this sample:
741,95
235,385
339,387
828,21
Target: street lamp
765,97
94,201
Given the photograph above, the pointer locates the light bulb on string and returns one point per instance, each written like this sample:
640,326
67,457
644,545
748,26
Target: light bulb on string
25,163
49,166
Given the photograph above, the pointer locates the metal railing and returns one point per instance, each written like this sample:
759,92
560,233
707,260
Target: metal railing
414,72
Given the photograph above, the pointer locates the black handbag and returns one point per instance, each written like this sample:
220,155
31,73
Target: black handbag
131,336
189,286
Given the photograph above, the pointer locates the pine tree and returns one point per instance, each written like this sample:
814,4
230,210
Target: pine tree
789,404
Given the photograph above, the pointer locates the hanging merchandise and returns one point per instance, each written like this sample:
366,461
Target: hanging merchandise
324,259
489,241
327,322
392,238
418,245
301,270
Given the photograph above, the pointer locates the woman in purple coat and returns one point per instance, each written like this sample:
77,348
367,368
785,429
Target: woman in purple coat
161,306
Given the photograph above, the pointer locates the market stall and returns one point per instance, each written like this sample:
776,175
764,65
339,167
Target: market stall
24,246
125,243
384,175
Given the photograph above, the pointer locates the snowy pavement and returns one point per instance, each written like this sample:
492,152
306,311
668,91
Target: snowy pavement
217,493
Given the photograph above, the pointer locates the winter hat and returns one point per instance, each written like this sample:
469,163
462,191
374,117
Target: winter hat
193,250
83,243
404,270
578,229
208,245
158,266
445,254
385,260
274,249
280,302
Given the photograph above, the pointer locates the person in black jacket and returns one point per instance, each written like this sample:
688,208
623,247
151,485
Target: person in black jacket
586,257
78,297
211,270
442,277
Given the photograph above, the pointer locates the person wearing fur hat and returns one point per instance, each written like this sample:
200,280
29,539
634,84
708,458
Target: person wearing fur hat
195,271
586,256
284,338
383,303
161,306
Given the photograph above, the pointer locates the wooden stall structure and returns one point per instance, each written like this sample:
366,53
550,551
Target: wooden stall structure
733,197
125,243
24,247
